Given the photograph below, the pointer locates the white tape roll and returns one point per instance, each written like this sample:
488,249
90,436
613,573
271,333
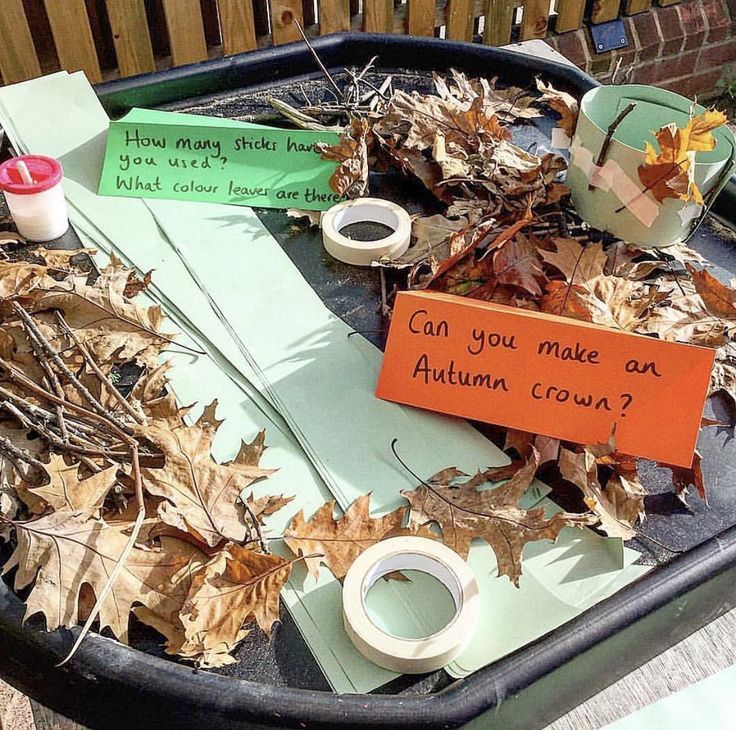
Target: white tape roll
374,210
410,656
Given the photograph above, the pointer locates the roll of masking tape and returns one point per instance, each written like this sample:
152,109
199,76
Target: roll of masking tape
410,656
362,210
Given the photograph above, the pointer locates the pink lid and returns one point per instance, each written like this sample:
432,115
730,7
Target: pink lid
45,171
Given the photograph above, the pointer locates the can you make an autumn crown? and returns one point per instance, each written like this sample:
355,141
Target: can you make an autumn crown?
660,169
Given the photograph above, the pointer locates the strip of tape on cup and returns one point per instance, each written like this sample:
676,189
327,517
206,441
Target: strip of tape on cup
410,656
365,210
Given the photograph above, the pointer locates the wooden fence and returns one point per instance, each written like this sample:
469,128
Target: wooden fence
108,38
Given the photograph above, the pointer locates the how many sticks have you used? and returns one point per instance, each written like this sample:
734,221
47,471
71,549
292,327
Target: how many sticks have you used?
261,165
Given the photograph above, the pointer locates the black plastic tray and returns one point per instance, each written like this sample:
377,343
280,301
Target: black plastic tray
108,685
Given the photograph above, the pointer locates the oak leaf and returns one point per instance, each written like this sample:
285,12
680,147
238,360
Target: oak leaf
60,552
202,496
618,509
351,152
67,492
463,512
563,103
111,326
337,542
236,586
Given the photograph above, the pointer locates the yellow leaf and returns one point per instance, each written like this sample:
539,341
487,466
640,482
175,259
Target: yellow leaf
698,134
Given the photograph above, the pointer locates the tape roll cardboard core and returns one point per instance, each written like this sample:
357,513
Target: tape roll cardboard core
362,210
410,656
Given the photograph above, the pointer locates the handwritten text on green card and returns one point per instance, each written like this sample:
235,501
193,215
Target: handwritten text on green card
154,154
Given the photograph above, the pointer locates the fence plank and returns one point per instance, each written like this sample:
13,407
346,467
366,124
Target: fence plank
534,19
631,7
420,17
668,2
569,15
18,59
499,18
186,31
237,26
459,18
378,16
283,15
605,10
73,37
334,16
131,37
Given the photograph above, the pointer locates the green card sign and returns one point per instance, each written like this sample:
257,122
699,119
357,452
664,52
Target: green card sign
154,154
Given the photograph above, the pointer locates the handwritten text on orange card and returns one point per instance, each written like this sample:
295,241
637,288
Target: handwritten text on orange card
546,374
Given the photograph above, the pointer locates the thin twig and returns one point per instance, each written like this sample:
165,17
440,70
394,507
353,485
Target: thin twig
7,446
71,377
612,127
323,68
104,379
256,526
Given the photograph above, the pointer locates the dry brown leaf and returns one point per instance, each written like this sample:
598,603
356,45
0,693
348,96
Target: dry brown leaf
111,326
619,303
577,263
236,586
517,263
337,542
202,495
67,492
683,478
431,242
719,298
723,376
60,552
463,513
508,103
267,505
351,152
566,300
563,103
618,509
21,279
682,317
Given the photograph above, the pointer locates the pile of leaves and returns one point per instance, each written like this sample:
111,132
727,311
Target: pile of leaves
508,234
113,503
455,143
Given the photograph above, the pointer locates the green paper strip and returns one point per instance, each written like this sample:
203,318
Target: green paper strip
167,156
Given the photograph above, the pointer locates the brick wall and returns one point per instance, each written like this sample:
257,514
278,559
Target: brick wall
685,48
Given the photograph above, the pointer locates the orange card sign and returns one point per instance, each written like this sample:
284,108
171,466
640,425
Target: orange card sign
546,374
